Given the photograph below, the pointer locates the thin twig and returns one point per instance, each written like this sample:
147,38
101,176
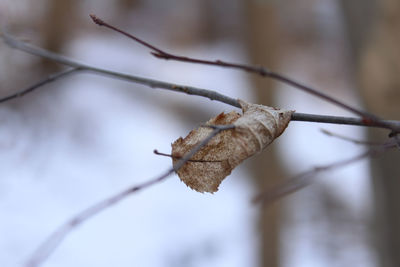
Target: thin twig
304,179
264,72
155,151
40,52
43,82
56,238
385,124
351,140
210,94
51,243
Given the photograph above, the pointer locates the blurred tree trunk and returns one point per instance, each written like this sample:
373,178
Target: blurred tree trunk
358,19
378,69
262,46
57,26
128,5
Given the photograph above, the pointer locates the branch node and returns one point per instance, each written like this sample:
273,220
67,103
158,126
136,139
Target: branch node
159,55
97,20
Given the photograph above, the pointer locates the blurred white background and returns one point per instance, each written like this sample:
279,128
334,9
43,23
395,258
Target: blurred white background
84,138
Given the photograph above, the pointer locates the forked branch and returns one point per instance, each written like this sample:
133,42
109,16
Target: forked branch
152,83
367,118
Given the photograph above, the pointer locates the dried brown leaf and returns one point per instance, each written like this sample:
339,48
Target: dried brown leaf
254,130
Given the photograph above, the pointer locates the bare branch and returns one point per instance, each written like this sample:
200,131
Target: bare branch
56,238
210,94
385,124
302,180
35,86
159,53
349,139
298,182
37,51
306,178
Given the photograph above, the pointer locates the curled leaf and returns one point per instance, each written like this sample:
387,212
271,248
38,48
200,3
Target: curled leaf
254,130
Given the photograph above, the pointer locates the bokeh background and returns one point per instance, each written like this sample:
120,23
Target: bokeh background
86,137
